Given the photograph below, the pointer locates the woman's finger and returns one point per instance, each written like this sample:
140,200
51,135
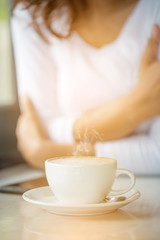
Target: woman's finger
151,52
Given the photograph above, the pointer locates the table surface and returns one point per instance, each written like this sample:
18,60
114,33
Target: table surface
139,220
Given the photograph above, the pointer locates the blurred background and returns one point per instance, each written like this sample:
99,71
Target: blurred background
9,109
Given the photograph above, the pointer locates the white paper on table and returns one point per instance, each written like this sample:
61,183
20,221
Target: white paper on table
18,174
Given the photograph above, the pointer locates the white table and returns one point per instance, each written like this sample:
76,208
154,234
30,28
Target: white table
139,220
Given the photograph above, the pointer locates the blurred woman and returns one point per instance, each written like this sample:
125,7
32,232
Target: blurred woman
89,80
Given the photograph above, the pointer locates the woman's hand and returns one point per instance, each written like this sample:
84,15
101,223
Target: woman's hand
30,132
148,87
34,144
119,118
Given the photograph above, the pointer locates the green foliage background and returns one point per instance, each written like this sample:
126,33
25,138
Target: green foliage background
3,10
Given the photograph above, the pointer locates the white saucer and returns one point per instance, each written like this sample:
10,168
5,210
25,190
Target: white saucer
44,198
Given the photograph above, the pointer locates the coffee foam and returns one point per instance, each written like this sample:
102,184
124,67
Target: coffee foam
81,161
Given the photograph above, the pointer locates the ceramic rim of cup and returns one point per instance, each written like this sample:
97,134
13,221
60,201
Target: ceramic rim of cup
105,159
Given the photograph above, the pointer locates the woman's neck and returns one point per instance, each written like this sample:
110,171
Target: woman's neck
101,24
107,5
98,10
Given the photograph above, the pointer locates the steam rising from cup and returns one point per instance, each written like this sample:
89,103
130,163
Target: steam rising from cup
85,145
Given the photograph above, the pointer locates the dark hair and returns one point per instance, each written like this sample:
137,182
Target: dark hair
46,10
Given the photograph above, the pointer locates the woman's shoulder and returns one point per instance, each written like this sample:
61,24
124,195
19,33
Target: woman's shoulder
20,13
151,8
147,14
60,25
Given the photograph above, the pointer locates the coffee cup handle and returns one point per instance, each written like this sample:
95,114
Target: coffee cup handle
114,192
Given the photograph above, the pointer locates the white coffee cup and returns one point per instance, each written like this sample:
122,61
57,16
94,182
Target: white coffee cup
84,180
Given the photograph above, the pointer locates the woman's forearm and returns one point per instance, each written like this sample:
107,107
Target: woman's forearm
45,150
119,118
113,120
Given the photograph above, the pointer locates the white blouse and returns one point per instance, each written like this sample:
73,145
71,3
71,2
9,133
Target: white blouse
68,77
